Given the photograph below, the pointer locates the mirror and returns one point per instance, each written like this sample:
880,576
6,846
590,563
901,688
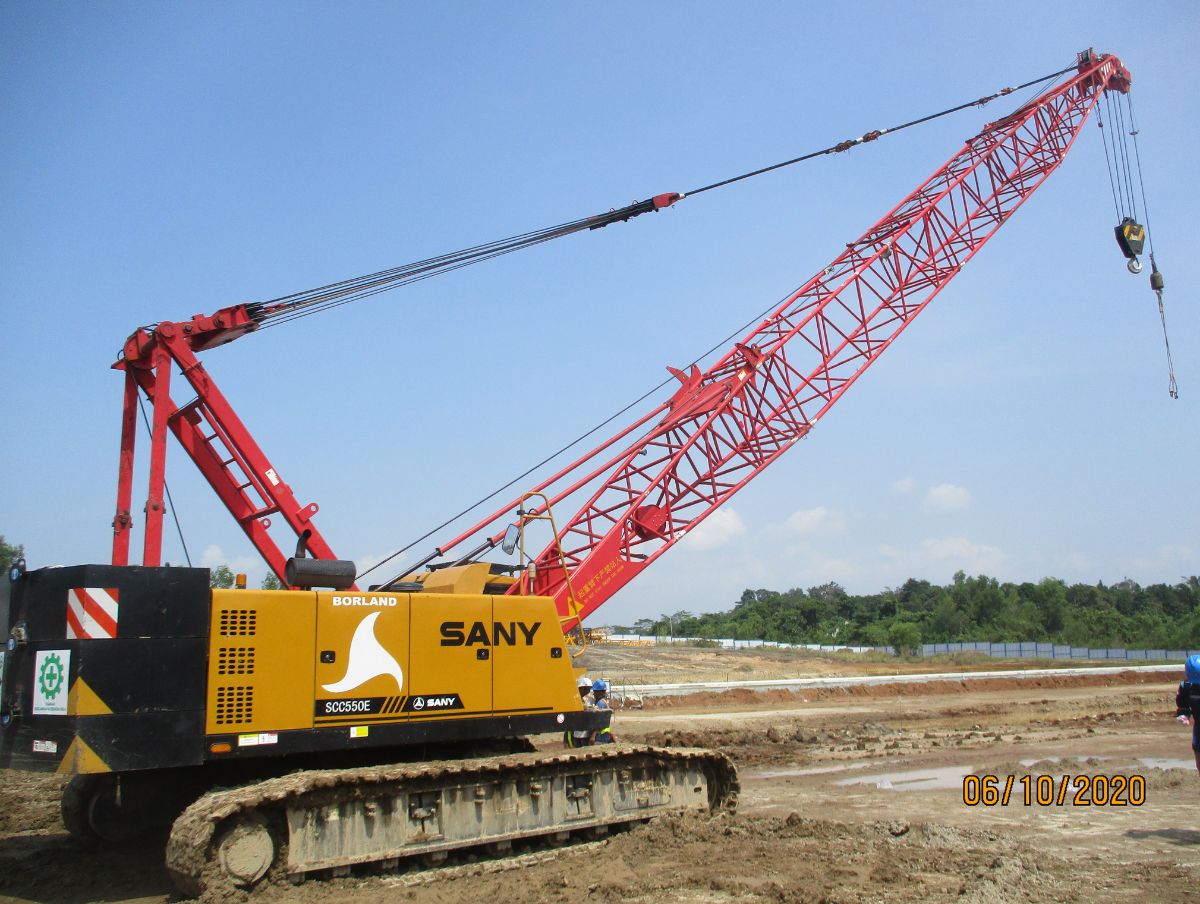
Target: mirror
512,537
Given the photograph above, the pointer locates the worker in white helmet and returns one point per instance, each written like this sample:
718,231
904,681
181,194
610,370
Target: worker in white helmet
582,738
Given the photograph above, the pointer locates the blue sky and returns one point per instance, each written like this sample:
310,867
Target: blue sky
161,160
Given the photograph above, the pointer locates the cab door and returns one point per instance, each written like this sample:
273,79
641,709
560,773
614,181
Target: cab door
532,672
451,656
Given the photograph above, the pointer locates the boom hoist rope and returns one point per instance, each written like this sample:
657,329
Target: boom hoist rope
1132,236
300,304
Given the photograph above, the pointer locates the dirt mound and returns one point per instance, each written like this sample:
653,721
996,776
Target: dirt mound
785,741
791,860
29,802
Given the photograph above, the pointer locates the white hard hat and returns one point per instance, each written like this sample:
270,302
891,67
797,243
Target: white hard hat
584,681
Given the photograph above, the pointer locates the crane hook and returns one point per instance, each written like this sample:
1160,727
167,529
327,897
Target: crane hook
1131,238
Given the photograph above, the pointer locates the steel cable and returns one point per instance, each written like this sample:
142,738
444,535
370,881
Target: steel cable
1108,163
291,307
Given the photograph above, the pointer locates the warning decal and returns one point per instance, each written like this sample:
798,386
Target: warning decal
92,613
50,671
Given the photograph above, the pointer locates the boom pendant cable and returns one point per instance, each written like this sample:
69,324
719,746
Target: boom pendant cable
300,304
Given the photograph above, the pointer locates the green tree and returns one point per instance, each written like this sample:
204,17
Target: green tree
1189,636
970,608
270,582
948,622
644,626
221,577
905,637
1051,599
9,554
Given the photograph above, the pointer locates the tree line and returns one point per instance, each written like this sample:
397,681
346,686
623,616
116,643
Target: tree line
222,577
1124,614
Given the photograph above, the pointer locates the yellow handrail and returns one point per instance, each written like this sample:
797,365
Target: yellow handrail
529,575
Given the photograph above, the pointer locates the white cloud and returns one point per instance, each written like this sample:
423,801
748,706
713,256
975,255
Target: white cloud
824,568
957,551
946,497
1074,563
904,486
213,556
807,522
1172,555
715,531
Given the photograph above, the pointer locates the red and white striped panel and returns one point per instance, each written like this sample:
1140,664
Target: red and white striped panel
91,613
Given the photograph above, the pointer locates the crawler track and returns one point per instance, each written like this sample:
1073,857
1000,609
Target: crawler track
310,822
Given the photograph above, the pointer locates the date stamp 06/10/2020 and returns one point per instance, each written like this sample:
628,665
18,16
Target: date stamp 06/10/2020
1116,790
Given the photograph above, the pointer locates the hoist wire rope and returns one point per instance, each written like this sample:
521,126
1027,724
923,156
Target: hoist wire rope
299,304
723,342
1172,385
1108,166
1120,159
167,489
1125,160
1137,156
1121,171
1113,136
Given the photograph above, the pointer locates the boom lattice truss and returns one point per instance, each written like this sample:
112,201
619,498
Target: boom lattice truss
723,426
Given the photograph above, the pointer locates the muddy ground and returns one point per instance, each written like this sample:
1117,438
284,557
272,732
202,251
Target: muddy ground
847,796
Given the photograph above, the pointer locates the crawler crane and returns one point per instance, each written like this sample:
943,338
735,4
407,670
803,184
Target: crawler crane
325,727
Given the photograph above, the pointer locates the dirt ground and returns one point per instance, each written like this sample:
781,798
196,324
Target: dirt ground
852,795
671,664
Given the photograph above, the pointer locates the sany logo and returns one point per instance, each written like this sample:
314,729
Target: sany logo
368,659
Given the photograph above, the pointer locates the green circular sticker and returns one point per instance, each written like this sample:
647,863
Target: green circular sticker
51,677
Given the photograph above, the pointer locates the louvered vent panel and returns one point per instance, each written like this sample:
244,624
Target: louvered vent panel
235,661
238,623
235,705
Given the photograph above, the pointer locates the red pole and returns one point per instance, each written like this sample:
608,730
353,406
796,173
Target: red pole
123,521
152,553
